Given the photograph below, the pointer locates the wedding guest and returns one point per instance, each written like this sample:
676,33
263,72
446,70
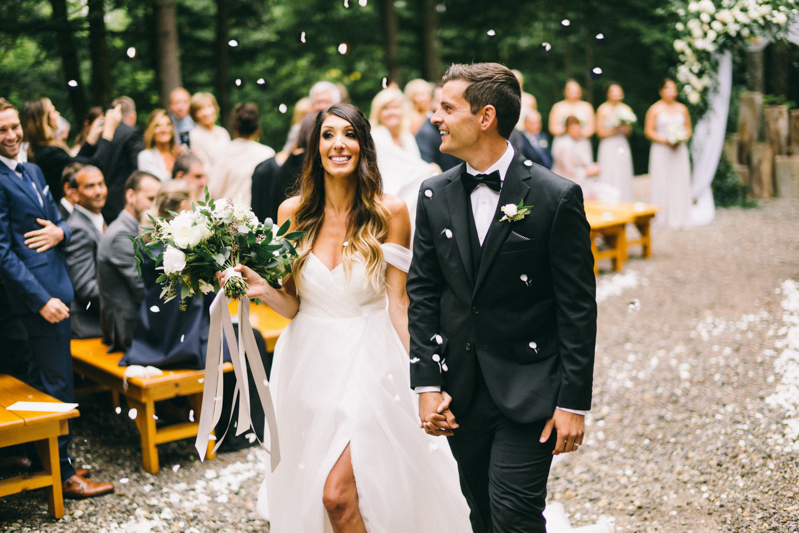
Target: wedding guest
121,289
398,159
277,178
188,167
160,149
39,122
572,155
80,138
323,94
301,108
532,143
529,103
123,158
88,192
428,138
572,106
206,138
418,93
179,103
614,155
62,132
65,204
232,175
668,126
32,241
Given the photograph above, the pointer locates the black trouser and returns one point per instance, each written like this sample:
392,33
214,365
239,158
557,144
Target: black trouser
503,467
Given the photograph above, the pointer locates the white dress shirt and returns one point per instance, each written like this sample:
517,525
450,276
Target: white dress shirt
68,206
95,218
12,164
484,207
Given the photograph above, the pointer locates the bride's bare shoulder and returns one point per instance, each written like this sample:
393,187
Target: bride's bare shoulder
287,209
399,220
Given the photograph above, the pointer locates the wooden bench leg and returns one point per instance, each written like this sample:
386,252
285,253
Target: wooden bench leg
145,421
646,238
115,399
594,252
48,452
621,250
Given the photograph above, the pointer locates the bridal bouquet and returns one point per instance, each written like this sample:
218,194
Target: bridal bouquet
676,133
213,236
622,116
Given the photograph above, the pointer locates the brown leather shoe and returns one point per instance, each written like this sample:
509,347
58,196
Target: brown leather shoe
83,472
78,487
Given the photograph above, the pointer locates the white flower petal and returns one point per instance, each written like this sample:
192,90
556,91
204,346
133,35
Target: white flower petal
428,193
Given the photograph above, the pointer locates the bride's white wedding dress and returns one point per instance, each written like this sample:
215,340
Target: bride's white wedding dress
341,377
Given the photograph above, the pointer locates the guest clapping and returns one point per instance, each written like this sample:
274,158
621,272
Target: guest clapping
80,138
206,138
232,175
39,124
160,149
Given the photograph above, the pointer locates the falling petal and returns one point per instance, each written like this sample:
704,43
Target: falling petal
600,36
131,52
191,415
155,417
118,410
200,380
597,71
175,468
182,337
211,437
88,305
448,233
397,397
384,82
154,309
363,3
72,83
282,108
528,163
133,413
444,366
491,33
566,22
250,437
233,43
302,38
415,360
428,193
439,339
523,277
533,345
343,48
436,357
124,480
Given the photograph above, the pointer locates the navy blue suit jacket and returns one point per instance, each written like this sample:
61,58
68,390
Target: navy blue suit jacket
542,156
31,278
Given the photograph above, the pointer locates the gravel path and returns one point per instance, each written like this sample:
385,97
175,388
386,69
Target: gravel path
681,437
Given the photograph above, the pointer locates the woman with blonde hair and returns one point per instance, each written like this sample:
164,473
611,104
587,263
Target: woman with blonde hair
206,138
419,93
160,148
39,120
341,366
398,158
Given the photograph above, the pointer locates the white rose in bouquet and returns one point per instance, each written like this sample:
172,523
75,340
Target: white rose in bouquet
724,16
174,260
186,232
624,115
676,133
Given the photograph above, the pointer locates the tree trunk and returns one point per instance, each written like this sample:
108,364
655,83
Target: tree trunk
779,68
794,128
222,61
98,48
761,170
390,28
731,148
69,59
748,123
588,94
776,126
755,71
432,57
786,174
168,50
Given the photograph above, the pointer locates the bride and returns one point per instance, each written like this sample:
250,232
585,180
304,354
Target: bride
354,458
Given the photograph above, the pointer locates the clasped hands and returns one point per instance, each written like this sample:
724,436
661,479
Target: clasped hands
437,419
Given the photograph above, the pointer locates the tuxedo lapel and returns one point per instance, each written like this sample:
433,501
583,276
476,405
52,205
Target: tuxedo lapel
458,203
23,186
513,190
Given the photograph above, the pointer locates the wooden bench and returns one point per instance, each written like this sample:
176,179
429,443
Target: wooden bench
638,214
43,429
90,359
613,230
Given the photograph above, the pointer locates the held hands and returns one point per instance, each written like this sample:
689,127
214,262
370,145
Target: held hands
43,239
569,428
258,286
54,311
436,418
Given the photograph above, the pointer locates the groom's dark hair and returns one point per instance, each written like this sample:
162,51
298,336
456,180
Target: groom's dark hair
490,84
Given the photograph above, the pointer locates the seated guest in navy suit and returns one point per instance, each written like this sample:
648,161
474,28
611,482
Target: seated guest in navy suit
121,288
167,337
88,192
532,143
32,241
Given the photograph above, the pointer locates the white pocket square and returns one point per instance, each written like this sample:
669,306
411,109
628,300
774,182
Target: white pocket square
46,190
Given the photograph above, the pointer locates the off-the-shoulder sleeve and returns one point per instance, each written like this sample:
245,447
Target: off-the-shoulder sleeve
397,256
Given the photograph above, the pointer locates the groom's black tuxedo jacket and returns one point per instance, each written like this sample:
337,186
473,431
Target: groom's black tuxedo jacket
526,317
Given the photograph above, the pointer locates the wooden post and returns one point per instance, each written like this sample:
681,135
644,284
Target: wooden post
743,173
761,169
748,123
776,128
786,173
794,131
731,148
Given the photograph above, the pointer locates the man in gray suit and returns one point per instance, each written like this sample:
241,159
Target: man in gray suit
121,289
88,193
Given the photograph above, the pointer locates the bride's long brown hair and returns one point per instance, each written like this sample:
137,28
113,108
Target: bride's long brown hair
368,220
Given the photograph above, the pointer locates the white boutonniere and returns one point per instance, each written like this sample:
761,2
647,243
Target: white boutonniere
514,212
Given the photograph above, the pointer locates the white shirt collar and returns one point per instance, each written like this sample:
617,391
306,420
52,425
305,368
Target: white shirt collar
95,218
68,206
502,164
10,163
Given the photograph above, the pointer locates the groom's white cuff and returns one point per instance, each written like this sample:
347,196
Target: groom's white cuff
575,411
420,390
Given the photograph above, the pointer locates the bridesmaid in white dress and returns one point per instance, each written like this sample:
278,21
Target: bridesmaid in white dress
354,458
614,156
668,126
571,106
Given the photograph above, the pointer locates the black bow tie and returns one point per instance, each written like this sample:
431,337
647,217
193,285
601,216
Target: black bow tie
492,181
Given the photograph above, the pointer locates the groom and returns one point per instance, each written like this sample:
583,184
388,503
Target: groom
502,312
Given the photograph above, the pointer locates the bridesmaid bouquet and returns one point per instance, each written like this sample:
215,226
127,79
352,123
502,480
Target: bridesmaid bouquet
676,133
623,116
213,236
